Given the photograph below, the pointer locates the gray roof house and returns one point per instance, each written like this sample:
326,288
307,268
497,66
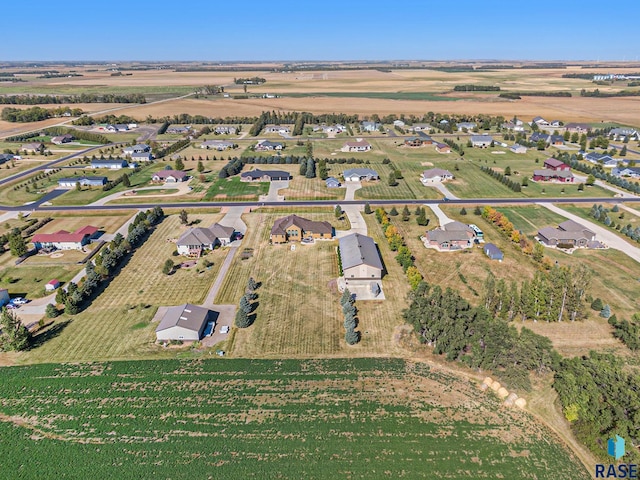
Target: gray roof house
450,236
32,147
435,175
70,182
466,125
195,240
115,164
169,176
359,174
370,126
183,322
6,157
481,141
360,258
621,133
264,145
142,156
493,252
217,145
568,233
139,148
258,175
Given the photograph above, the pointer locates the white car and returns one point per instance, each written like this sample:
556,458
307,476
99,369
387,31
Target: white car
224,329
19,301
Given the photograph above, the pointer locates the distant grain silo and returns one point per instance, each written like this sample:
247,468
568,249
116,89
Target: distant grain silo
521,402
509,401
503,392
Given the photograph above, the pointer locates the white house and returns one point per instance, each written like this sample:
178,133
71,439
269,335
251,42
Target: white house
517,148
360,174
435,175
358,146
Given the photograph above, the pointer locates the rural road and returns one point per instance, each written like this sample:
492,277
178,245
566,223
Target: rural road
604,235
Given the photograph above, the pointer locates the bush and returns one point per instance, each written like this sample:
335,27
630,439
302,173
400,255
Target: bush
352,337
597,305
51,311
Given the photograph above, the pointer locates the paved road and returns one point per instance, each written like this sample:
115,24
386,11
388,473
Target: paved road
603,234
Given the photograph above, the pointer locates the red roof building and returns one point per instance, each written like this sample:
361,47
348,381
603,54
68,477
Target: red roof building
63,240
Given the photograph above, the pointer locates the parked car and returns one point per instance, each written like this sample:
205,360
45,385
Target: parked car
19,301
224,329
11,306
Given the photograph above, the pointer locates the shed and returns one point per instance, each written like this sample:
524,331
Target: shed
183,322
52,285
493,252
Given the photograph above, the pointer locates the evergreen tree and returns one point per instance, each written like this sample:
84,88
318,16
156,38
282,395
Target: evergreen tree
303,166
70,307
477,211
346,297
338,211
200,167
17,245
179,164
605,312
311,169
463,211
51,311
422,219
393,212
252,285
245,304
367,209
352,337
168,266
125,180
242,319
14,336
184,217
61,296
597,305
392,180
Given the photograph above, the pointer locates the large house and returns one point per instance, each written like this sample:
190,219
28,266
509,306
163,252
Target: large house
426,139
370,126
6,157
169,176
466,126
359,258
142,156
63,240
33,147
633,172
541,122
266,145
481,141
419,127
435,175
60,139
219,145
183,322
179,129
516,126
622,133
225,130
360,174
70,182
568,234
294,228
517,148
115,164
547,175
358,146
450,236
196,240
577,127
258,175
120,127
281,129
139,148
413,142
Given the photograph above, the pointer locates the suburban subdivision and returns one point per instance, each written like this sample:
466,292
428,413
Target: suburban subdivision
206,274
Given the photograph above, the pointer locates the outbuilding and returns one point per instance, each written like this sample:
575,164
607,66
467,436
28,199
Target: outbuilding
493,252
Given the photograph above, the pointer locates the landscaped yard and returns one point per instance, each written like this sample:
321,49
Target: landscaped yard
117,323
233,189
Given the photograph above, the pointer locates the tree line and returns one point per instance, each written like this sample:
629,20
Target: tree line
476,88
79,134
64,99
36,114
502,178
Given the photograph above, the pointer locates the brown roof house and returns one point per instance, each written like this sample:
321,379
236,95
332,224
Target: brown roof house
183,322
569,234
449,237
294,228
196,240
359,258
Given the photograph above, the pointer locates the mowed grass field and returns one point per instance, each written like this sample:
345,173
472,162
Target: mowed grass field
288,419
298,312
116,325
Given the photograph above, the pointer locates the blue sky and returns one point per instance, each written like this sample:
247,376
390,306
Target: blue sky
320,30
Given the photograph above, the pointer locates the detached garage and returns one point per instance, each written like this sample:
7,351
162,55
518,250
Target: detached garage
184,322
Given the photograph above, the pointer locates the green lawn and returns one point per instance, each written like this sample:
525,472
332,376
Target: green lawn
287,419
28,280
233,189
531,218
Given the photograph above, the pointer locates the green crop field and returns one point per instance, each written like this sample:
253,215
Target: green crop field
379,95
288,419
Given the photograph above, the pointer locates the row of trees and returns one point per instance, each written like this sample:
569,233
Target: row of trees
600,174
604,216
122,179
36,114
107,261
476,88
627,331
78,134
159,152
65,99
232,168
456,147
502,178
246,306
448,323
351,335
396,242
553,296
500,220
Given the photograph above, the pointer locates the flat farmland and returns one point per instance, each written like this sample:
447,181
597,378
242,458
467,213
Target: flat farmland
116,325
284,419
